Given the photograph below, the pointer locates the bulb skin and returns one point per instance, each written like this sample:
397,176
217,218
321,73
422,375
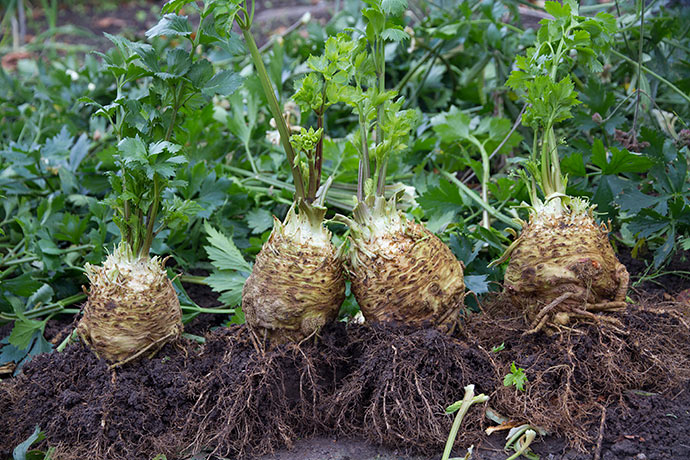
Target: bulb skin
407,276
132,308
297,284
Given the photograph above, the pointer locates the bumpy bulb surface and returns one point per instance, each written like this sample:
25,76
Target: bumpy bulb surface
132,308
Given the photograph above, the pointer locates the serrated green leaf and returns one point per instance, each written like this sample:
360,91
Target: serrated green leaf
479,284
223,253
23,332
633,201
259,220
394,34
23,285
620,161
557,10
147,54
516,377
200,72
451,127
376,21
170,25
574,165
132,147
224,83
42,295
393,7
229,284
173,6
445,197
647,223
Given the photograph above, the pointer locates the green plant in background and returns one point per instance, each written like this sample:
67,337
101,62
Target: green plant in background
490,136
55,156
657,211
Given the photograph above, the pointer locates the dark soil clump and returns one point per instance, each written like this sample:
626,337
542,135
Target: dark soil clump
388,385
87,410
400,382
581,371
252,403
224,396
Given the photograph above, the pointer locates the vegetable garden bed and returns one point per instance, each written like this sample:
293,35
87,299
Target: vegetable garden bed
382,385
414,230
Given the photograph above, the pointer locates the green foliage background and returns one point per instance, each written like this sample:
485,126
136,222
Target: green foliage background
68,121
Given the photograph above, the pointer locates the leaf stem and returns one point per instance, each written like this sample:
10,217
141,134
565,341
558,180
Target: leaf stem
192,279
35,258
653,74
245,24
380,62
486,171
639,67
213,311
467,401
493,212
363,173
55,307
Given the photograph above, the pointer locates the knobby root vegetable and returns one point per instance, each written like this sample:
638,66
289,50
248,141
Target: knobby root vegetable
563,267
132,308
297,284
400,271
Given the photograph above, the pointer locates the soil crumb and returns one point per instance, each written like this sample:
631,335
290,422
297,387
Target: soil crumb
88,410
252,402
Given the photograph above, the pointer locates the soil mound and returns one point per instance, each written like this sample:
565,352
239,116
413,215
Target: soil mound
254,402
580,372
225,396
386,384
88,410
400,382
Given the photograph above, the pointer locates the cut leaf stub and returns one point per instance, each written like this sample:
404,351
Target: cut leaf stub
297,284
565,264
132,309
408,275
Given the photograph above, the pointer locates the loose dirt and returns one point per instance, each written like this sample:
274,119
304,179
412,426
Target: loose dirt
88,411
582,372
399,383
674,278
367,386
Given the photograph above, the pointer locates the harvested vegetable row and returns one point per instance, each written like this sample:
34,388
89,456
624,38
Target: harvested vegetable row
400,271
297,283
562,265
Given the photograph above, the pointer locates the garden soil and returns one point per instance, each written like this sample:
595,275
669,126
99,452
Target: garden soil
84,23
619,390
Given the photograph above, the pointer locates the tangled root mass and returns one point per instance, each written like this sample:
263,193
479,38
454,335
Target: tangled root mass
577,372
385,383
